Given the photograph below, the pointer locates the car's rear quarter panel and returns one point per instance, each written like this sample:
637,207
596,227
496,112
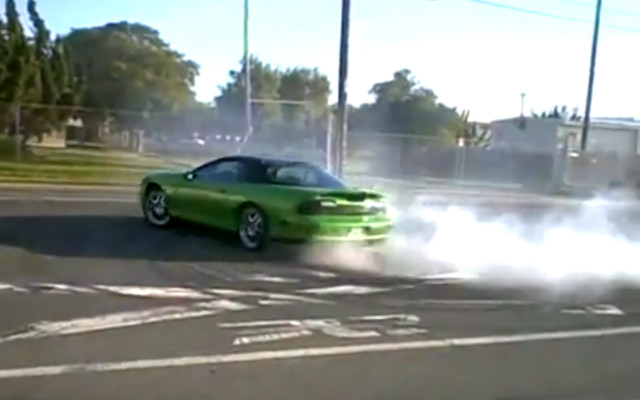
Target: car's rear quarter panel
280,204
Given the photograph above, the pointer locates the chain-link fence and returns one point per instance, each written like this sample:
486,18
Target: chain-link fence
442,161
193,136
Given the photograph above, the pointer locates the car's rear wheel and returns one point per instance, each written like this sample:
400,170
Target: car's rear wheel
156,210
253,228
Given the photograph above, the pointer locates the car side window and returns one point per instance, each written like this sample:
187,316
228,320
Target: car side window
231,171
295,175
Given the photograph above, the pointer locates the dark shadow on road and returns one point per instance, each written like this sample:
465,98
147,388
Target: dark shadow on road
129,237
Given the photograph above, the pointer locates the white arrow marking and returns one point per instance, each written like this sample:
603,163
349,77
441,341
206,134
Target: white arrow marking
125,319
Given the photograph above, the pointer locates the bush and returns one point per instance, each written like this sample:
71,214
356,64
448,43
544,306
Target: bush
8,149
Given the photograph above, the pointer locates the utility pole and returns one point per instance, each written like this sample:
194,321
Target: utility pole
592,71
247,75
341,139
522,98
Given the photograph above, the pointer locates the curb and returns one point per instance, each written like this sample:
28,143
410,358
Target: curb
69,186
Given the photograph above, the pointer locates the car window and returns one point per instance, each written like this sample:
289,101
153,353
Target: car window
303,175
222,172
295,175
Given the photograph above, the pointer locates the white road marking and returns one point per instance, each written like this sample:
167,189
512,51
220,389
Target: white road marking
61,288
473,302
397,318
270,302
45,329
216,359
321,274
448,278
271,337
344,289
598,309
270,278
161,292
270,330
155,292
605,309
269,295
406,331
12,288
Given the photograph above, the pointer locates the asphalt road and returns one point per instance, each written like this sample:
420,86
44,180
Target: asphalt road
96,304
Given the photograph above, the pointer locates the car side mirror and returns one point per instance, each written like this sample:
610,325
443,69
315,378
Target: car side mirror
190,176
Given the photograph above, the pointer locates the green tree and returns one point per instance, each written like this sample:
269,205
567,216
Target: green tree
33,70
270,89
471,133
50,83
128,66
265,85
304,85
402,105
17,57
558,113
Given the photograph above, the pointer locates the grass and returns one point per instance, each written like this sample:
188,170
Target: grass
77,166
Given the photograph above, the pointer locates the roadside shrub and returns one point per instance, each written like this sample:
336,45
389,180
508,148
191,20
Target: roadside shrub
8,149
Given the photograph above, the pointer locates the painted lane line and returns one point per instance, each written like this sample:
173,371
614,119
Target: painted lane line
12,288
56,370
448,278
269,278
61,288
402,319
406,331
268,295
155,292
270,302
160,292
344,289
125,319
598,309
321,274
605,309
474,302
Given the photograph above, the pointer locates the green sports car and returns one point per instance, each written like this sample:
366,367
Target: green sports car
263,199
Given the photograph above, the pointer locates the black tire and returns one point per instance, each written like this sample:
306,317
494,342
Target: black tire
155,208
252,228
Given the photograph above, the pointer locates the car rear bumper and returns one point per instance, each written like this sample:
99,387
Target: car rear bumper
327,229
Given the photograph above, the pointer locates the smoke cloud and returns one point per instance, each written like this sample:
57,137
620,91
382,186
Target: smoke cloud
590,246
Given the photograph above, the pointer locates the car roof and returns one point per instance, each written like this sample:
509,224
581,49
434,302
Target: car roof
262,160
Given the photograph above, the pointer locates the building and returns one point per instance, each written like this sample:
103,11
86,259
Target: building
612,151
550,135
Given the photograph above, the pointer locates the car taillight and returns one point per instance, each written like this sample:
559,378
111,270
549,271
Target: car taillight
314,206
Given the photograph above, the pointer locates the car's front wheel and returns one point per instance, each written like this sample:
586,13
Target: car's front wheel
155,208
253,228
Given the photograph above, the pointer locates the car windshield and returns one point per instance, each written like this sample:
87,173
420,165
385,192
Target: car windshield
302,174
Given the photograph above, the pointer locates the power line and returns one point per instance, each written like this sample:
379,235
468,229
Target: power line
608,10
550,15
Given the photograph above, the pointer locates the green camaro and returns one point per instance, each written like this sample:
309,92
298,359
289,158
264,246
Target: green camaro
264,199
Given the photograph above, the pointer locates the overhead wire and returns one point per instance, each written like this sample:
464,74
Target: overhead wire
606,10
550,15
